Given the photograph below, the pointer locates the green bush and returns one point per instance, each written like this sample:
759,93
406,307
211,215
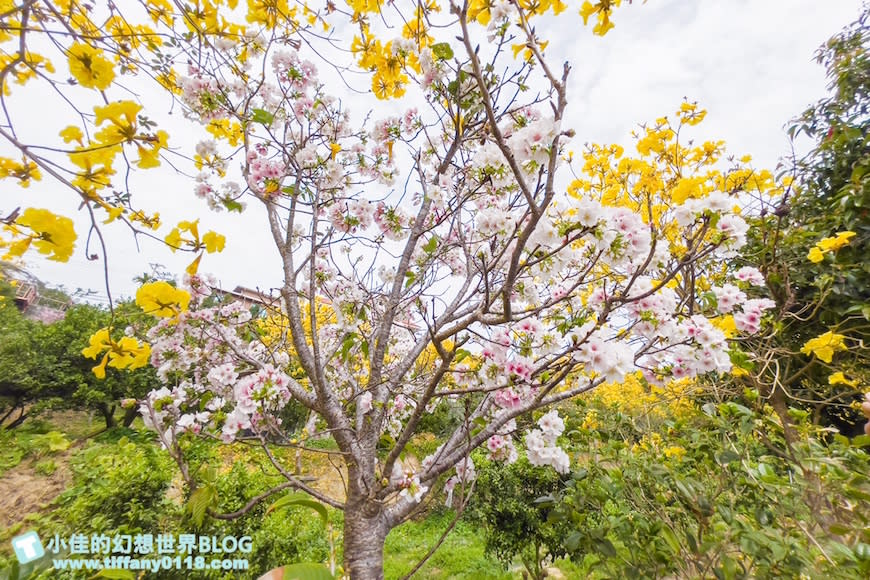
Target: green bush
509,502
117,487
714,495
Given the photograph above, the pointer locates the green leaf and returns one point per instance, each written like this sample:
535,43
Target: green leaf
839,529
301,500
726,457
263,116
232,205
431,245
307,571
199,502
766,472
442,51
763,516
347,344
461,355
572,542
670,539
605,547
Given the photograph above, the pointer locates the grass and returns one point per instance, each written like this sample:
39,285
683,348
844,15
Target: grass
460,556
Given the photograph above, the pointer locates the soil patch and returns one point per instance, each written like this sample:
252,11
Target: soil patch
24,491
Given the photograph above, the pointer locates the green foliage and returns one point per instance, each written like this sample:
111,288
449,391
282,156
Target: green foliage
46,467
117,488
307,572
713,496
22,393
42,367
37,440
299,500
514,504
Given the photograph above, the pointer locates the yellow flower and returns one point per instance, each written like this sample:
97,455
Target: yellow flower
214,242
726,324
72,133
838,378
127,353
114,212
590,421
93,177
224,129
89,67
173,239
479,10
24,172
98,342
270,12
815,255
824,346
835,243
674,452
53,235
149,153
162,299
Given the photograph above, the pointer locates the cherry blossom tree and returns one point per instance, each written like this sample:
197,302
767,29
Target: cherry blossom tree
433,256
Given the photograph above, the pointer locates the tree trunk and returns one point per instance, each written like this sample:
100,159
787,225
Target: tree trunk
365,531
108,414
8,414
130,416
21,417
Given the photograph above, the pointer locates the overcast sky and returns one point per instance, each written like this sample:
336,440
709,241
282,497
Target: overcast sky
748,62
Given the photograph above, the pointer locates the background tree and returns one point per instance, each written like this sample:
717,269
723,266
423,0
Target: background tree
21,392
811,246
43,367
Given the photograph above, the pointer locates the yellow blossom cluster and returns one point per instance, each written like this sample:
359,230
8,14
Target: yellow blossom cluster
824,346
838,378
50,234
637,397
226,130
119,126
126,353
162,299
210,242
826,245
24,171
389,78
601,10
23,68
654,443
90,67
668,172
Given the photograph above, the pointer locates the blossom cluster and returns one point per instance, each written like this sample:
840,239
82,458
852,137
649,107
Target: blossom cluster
217,378
541,448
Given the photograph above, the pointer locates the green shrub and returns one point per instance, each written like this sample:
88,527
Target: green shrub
516,523
120,487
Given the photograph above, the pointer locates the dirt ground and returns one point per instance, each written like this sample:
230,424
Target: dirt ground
23,491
